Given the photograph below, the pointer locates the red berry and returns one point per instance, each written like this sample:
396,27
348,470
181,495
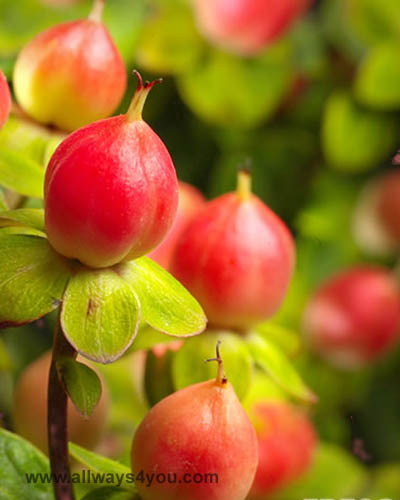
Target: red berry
286,445
199,431
71,74
354,317
111,191
190,202
236,257
247,26
5,100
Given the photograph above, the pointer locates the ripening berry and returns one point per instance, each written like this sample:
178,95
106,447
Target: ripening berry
199,431
286,445
236,257
353,318
71,74
111,191
247,26
190,202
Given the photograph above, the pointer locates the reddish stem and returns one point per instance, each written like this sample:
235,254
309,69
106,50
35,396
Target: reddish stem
57,420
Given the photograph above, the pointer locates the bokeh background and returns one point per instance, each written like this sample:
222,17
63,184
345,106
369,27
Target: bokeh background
317,114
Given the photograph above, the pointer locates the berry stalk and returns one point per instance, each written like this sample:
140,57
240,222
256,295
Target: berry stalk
57,420
244,184
96,14
221,377
142,91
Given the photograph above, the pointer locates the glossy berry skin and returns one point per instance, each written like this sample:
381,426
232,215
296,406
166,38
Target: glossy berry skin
111,191
190,202
286,445
236,257
5,100
388,204
354,317
71,74
247,26
202,429
30,409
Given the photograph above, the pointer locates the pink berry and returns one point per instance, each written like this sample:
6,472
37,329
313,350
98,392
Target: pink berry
236,257
247,26
201,440
354,317
71,74
190,202
286,445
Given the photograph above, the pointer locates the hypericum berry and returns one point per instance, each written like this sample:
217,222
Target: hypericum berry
236,257
247,26
30,409
190,202
200,436
5,99
111,191
354,317
71,74
286,445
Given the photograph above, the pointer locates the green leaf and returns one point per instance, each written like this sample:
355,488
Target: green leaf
29,217
225,89
17,458
22,230
51,145
378,81
32,279
373,135
3,203
334,21
189,366
373,21
165,304
21,174
25,137
170,42
82,383
102,465
286,339
275,363
110,493
385,482
100,314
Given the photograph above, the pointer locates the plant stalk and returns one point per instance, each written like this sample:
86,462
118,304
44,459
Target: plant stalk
57,420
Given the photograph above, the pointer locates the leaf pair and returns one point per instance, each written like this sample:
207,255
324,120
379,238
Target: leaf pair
101,308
